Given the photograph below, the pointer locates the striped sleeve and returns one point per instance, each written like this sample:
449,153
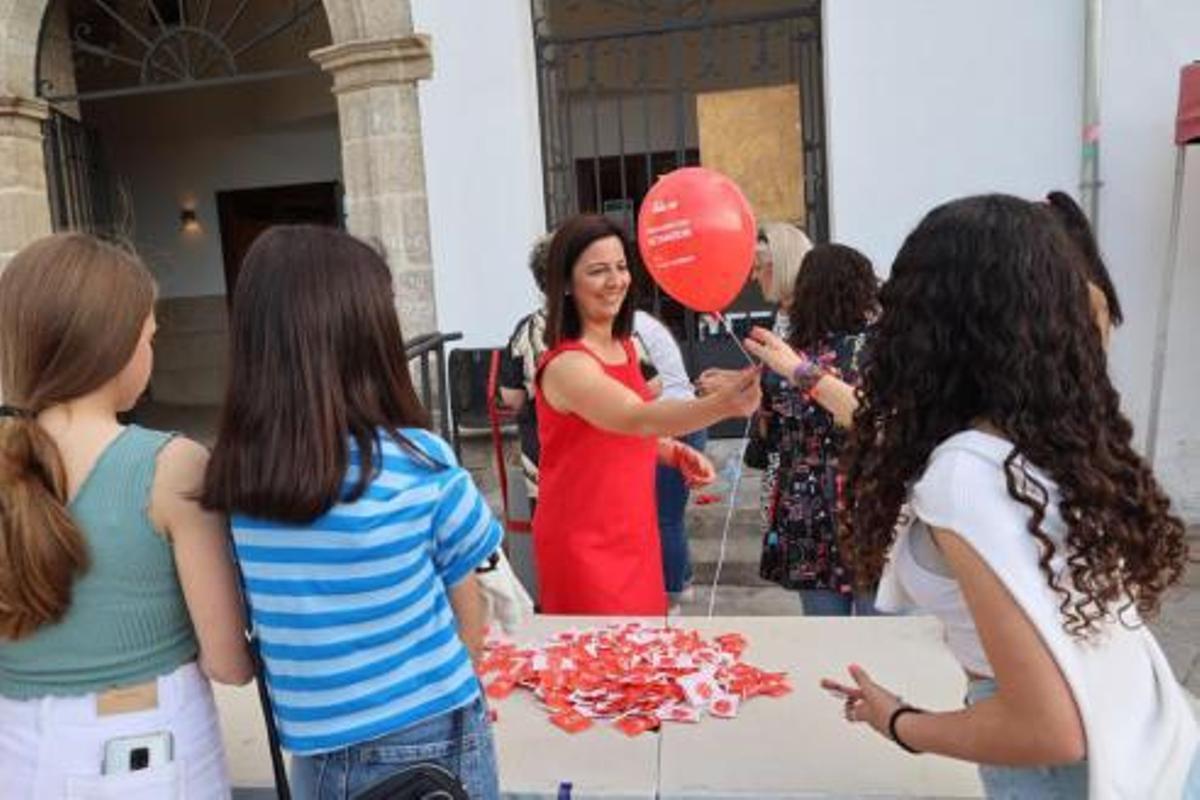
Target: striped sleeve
465,532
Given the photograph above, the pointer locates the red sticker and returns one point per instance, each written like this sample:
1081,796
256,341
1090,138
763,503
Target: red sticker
635,725
725,707
500,688
634,674
571,721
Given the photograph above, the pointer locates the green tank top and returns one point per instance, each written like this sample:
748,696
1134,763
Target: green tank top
127,622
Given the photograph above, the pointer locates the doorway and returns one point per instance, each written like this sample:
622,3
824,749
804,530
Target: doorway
243,214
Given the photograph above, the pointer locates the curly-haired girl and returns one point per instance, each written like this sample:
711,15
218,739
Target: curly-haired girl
988,426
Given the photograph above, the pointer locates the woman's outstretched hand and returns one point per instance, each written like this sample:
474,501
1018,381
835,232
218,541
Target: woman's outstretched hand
713,378
739,392
773,351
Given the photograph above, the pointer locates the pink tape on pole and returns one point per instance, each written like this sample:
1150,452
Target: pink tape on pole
1187,121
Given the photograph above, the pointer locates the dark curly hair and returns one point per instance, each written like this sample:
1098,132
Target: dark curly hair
836,291
537,260
1079,230
985,318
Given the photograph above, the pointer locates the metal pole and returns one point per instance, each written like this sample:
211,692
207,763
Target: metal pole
1089,168
1158,368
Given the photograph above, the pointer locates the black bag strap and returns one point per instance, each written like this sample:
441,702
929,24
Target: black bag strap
282,789
425,781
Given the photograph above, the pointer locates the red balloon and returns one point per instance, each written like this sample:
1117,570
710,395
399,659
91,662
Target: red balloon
696,233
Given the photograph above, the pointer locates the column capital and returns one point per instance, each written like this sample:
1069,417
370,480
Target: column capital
22,117
365,63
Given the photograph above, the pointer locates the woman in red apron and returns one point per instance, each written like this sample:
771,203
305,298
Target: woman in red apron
595,528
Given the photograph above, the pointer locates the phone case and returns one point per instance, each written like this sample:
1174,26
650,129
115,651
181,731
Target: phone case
134,753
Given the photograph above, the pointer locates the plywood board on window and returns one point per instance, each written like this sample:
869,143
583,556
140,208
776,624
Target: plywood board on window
754,137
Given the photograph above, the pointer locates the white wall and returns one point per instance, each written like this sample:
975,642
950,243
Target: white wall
479,120
188,173
179,150
932,99
1145,44
927,100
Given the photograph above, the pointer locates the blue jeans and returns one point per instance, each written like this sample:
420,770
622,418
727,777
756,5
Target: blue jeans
460,741
1064,782
672,495
828,603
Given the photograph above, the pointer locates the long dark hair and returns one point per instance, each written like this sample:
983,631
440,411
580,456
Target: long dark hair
317,358
985,317
1075,223
72,310
835,292
570,240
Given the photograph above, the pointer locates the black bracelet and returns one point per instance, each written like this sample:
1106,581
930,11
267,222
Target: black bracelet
894,718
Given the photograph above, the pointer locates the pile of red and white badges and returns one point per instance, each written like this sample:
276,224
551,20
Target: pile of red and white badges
635,675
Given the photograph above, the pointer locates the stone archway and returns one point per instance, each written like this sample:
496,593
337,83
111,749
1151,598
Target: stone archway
375,61
24,210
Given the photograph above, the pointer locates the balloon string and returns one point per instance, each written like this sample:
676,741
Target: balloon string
733,494
735,484
724,320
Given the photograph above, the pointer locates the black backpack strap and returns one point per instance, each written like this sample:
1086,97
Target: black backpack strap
282,789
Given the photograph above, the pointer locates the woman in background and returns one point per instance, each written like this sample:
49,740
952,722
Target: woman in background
833,302
780,250
671,486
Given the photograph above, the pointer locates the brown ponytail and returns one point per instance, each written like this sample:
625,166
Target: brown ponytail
41,550
71,311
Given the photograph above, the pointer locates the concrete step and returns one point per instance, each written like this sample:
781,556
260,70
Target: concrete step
742,551
742,601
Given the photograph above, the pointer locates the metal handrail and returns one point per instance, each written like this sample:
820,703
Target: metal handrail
422,348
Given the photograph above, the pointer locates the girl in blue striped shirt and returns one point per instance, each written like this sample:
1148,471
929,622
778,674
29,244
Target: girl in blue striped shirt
357,532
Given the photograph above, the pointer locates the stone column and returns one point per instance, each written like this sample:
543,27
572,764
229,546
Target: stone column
383,166
24,207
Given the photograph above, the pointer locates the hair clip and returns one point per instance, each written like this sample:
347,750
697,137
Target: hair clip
16,413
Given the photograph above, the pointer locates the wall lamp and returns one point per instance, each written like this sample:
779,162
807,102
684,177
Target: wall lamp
188,222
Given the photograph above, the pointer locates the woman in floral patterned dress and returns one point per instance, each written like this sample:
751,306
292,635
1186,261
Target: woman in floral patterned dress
834,301
781,250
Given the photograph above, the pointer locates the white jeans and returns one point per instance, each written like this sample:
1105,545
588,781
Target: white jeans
53,747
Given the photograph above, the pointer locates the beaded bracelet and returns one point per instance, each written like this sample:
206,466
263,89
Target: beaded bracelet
807,375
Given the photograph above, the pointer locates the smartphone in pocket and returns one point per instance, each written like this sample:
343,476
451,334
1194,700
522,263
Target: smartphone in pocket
136,753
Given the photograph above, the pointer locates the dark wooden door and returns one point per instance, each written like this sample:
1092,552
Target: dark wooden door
246,213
